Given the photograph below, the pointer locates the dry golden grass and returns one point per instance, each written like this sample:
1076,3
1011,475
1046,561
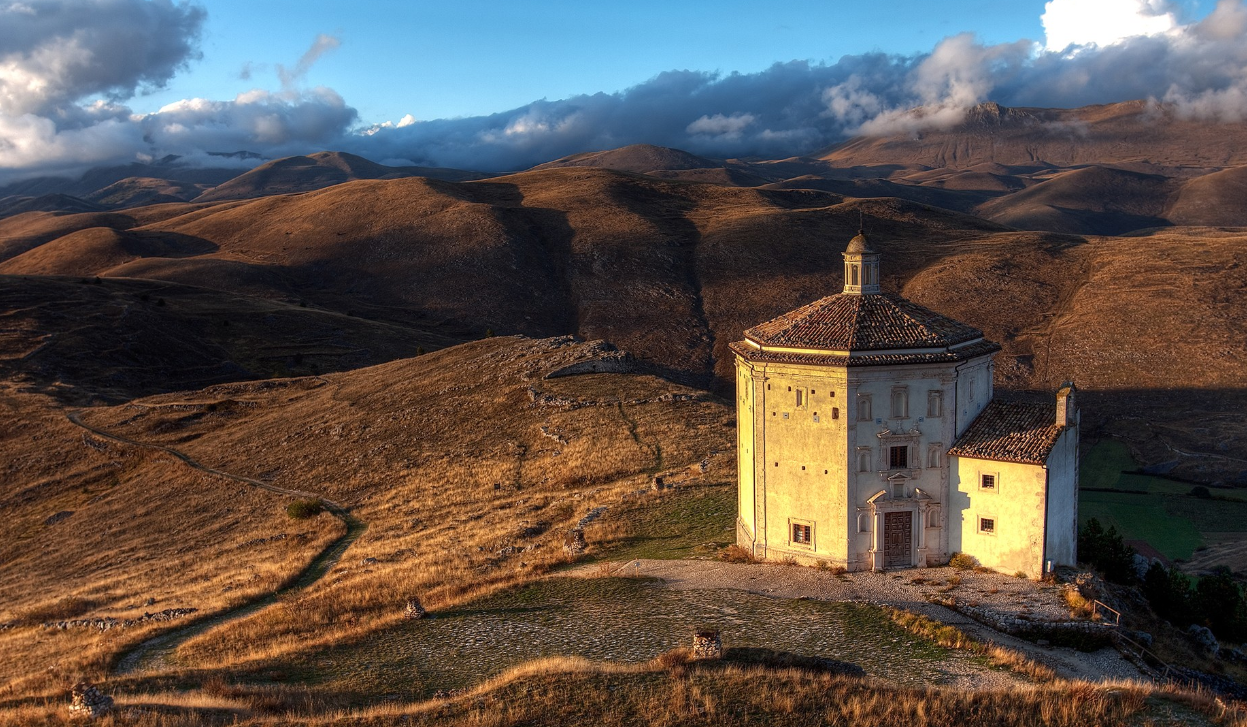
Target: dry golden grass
450,509
954,638
675,271
142,527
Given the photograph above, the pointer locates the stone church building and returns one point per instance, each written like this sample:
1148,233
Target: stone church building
868,437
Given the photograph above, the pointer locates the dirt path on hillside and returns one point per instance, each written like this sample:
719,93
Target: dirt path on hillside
153,654
907,589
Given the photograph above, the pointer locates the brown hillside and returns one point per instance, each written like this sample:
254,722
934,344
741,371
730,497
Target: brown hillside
674,271
449,508
142,191
317,171
80,341
1093,200
1217,199
639,158
57,203
1134,131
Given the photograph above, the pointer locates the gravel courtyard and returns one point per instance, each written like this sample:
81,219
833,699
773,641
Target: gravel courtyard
908,589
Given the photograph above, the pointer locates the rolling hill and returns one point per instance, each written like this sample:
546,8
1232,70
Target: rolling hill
1133,132
317,171
673,272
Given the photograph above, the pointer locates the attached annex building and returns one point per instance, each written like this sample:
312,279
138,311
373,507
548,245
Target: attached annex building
868,437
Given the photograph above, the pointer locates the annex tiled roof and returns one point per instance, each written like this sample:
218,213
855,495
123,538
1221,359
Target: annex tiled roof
1011,431
880,358
862,323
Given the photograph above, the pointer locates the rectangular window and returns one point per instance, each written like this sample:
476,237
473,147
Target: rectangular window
863,408
935,404
987,482
801,534
987,525
900,403
801,398
863,461
835,412
898,457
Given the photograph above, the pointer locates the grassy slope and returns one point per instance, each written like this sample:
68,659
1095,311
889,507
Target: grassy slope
673,272
1158,510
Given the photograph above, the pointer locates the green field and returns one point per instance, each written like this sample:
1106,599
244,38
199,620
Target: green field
1156,509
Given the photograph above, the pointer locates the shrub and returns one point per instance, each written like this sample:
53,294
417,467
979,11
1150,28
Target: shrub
1200,492
1223,607
736,554
963,561
1169,593
1105,550
303,509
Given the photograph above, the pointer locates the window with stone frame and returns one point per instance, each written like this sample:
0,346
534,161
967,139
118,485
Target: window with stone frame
900,402
987,525
863,522
898,457
935,453
935,404
801,534
988,481
802,399
863,460
863,408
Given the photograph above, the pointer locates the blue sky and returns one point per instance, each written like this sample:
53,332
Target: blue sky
472,57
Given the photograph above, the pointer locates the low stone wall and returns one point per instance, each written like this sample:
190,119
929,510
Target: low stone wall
1079,634
108,623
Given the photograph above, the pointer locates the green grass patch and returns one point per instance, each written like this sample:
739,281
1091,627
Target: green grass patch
673,525
1143,517
1102,466
1156,509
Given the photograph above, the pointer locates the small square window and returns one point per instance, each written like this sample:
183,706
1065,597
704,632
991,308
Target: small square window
987,525
987,482
801,534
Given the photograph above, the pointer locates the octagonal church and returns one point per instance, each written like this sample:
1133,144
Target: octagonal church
868,437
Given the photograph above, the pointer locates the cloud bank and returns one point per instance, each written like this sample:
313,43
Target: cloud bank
68,66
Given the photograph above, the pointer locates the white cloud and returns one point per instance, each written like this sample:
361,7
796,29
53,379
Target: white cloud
1103,22
54,52
720,126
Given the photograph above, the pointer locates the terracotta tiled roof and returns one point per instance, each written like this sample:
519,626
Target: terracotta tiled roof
1011,431
862,323
881,358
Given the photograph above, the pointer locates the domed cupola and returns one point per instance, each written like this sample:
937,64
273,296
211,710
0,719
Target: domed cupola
861,267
